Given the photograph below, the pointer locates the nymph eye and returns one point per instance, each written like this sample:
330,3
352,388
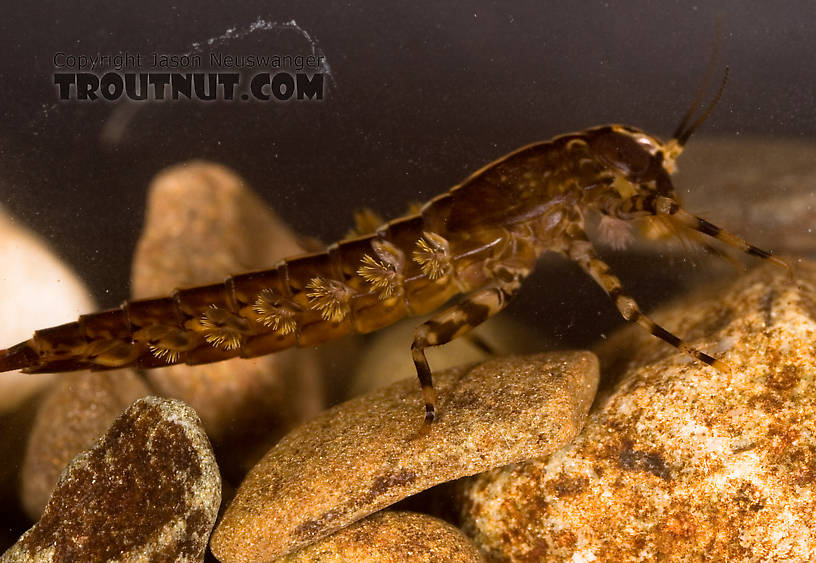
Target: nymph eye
647,144
624,153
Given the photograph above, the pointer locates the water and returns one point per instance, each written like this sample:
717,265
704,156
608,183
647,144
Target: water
416,98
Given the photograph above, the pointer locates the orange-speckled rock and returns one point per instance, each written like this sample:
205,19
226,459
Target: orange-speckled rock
392,537
678,461
149,490
202,224
370,452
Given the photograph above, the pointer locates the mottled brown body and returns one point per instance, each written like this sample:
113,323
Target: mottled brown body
480,239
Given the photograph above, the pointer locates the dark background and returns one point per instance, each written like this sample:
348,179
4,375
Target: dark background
421,94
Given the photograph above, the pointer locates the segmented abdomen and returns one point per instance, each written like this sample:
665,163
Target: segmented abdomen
357,285
410,266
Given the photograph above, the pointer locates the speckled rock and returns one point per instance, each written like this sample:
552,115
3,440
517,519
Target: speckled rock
392,537
74,413
678,461
371,451
149,490
203,224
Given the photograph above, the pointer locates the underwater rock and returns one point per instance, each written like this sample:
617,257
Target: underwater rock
386,358
149,490
392,537
372,451
202,221
678,461
37,290
74,413
45,293
754,185
203,224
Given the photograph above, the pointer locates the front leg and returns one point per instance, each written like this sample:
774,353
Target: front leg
653,204
581,251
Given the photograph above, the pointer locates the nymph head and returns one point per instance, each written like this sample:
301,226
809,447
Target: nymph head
636,157
643,161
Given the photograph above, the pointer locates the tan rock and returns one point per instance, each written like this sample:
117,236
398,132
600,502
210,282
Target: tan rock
678,461
754,185
392,537
203,224
37,290
75,412
149,490
367,453
387,358
203,221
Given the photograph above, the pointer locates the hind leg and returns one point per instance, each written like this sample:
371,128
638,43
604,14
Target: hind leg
455,321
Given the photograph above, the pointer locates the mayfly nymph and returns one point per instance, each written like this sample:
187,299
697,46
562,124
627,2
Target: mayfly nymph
480,239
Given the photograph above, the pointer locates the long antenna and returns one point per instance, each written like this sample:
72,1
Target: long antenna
698,98
682,137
